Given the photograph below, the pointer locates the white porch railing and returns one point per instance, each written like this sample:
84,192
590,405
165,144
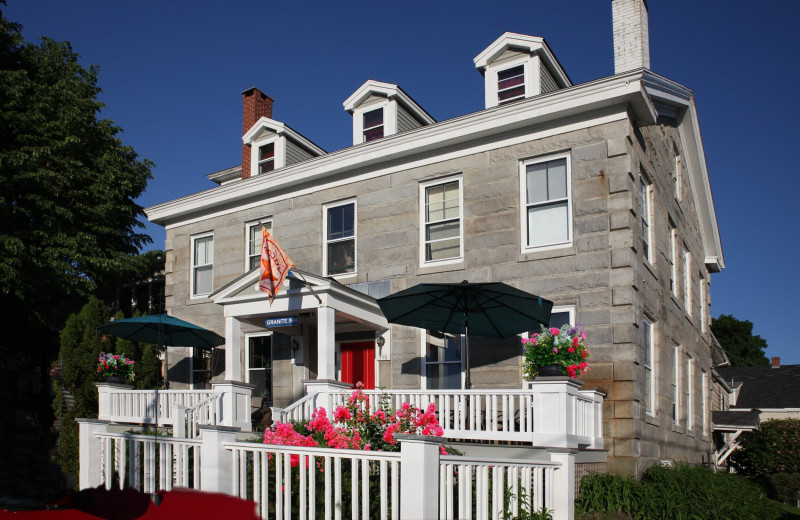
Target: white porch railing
227,403
552,412
305,483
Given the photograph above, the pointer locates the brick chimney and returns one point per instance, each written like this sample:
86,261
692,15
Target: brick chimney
255,105
631,39
776,362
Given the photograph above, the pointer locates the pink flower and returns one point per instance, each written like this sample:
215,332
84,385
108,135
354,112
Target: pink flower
116,356
554,331
555,350
342,414
571,350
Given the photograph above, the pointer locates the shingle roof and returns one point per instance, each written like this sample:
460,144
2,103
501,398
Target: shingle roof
765,387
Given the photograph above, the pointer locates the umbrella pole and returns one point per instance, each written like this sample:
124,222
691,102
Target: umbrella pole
467,384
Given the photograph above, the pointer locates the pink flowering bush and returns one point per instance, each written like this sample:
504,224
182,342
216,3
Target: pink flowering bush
115,365
565,347
355,426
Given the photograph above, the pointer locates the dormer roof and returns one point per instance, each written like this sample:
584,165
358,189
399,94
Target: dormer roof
390,91
266,124
523,43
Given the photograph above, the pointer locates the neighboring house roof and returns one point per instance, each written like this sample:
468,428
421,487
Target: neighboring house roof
734,421
765,387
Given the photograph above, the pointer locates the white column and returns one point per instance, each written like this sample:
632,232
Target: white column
236,403
326,345
564,484
216,473
90,472
233,349
419,476
554,410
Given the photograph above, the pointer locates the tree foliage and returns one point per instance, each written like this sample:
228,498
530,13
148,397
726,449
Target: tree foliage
736,337
69,223
775,448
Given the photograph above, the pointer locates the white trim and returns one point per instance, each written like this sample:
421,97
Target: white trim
703,306
676,384
267,221
647,213
649,366
689,391
325,241
687,281
423,187
281,130
673,261
600,101
192,292
523,203
704,403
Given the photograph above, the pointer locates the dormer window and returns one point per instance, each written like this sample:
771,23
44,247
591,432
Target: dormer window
266,158
381,110
373,125
510,84
517,66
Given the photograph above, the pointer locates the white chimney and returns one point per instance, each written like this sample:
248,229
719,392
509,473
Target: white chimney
631,39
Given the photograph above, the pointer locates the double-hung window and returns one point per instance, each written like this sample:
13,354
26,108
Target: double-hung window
673,264
202,264
201,367
703,404
373,125
646,192
547,218
689,377
649,380
443,360
687,280
510,84
266,158
442,227
254,235
675,384
340,238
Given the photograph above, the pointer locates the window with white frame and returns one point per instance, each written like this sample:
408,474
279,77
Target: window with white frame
340,238
687,280
646,194
675,384
444,354
547,219
702,296
673,264
678,181
254,235
442,226
373,125
510,84
562,315
704,404
266,158
259,366
649,380
689,377
202,264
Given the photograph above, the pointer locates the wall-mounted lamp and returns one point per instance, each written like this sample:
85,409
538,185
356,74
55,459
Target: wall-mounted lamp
295,345
380,341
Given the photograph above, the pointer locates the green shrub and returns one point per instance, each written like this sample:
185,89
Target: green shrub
775,448
786,486
682,492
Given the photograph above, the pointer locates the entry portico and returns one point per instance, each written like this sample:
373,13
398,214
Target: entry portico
309,302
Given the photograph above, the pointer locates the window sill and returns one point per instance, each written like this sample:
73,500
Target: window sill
344,276
651,269
444,267
547,252
650,418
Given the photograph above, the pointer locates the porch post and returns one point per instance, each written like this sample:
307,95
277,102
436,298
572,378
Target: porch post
90,471
564,484
216,473
419,476
236,403
233,349
326,346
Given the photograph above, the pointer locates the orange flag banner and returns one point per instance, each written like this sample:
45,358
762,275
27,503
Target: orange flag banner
275,265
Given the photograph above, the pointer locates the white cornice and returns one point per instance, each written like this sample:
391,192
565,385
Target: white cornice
619,90
280,129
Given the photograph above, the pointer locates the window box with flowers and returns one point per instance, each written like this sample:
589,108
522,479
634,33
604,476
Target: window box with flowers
555,352
115,368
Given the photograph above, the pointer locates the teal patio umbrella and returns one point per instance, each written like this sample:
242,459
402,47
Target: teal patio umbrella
491,309
163,330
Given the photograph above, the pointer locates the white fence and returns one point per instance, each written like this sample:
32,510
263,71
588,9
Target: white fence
227,404
552,412
288,482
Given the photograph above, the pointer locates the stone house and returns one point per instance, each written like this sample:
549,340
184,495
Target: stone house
595,196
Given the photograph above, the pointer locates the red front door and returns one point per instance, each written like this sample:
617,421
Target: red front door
358,363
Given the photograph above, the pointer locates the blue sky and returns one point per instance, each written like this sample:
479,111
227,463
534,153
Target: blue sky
172,72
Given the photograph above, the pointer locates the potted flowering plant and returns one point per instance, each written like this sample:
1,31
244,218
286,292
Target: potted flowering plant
562,351
116,368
